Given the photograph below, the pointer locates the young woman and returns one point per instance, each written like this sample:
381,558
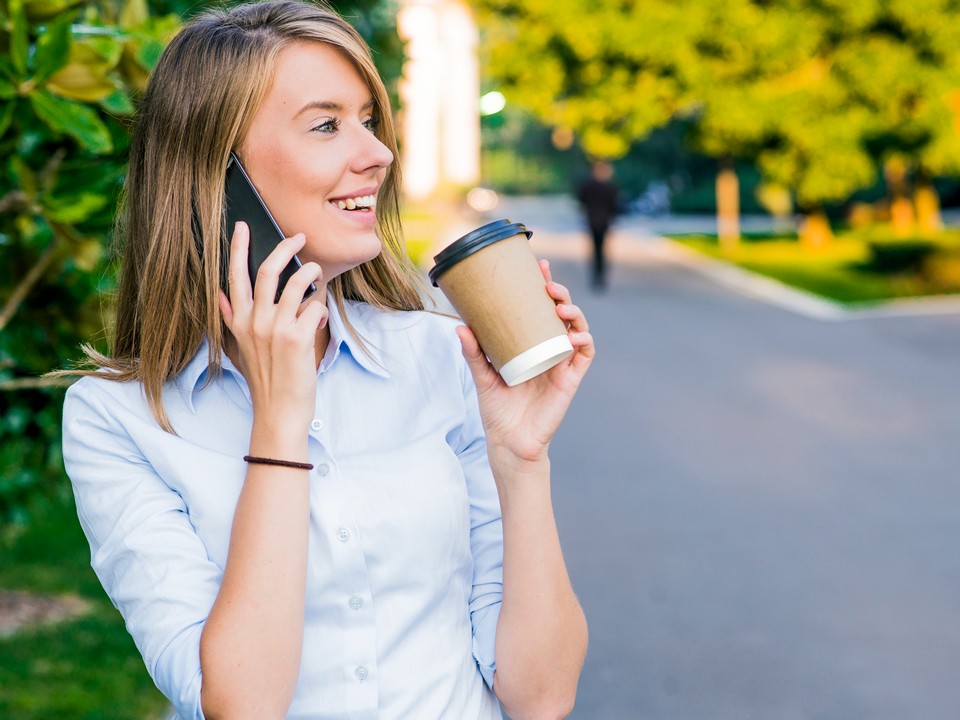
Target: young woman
331,508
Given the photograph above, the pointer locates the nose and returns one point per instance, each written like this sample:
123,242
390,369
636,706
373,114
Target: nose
372,154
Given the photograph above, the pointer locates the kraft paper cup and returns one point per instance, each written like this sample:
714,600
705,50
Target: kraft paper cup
492,279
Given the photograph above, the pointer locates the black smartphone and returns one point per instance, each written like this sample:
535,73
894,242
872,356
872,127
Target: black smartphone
243,202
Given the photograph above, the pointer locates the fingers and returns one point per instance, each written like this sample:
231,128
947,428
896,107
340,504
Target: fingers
292,295
225,310
313,316
239,278
545,269
573,317
483,373
265,289
558,292
584,350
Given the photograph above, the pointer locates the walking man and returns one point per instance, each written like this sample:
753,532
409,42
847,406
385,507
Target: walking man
598,197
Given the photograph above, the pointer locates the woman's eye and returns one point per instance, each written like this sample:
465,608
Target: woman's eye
328,127
372,124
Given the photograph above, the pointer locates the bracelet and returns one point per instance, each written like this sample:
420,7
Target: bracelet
281,463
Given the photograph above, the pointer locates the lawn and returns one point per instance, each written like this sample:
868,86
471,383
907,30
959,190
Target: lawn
86,668
851,269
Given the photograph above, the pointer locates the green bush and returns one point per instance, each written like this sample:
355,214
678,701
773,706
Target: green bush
891,257
70,72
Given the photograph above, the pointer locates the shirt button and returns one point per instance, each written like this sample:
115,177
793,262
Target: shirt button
361,673
322,469
316,424
356,603
343,534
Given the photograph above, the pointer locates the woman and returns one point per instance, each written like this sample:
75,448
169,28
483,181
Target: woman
322,509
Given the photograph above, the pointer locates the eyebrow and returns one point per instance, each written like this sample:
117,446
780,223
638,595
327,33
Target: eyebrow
330,106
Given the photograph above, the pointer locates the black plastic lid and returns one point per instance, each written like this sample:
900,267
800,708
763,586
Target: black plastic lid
472,242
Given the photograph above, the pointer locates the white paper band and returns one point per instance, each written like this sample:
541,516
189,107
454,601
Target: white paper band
536,360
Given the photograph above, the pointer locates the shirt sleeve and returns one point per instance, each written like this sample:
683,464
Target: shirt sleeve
486,533
144,550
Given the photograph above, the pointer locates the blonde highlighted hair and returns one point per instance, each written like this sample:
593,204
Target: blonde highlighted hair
198,106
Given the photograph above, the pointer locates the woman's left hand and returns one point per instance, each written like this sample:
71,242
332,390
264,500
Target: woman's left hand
521,420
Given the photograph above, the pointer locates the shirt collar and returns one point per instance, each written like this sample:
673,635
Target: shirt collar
369,357
365,354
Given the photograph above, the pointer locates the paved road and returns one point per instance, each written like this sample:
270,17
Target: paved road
760,511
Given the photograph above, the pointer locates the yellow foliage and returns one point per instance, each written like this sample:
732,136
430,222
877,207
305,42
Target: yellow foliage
85,77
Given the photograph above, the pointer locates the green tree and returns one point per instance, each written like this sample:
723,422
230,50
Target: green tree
69,75
818,93
606,70
903,67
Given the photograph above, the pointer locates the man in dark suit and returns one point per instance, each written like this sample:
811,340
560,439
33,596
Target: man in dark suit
598,197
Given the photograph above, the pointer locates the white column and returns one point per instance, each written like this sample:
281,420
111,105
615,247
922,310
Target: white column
439,91
460,125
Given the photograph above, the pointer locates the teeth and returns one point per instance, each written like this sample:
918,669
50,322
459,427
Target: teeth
364,201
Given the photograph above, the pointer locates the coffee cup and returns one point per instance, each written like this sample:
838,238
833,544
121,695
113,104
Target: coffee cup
493,280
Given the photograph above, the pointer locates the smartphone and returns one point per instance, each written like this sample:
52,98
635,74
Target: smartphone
243,202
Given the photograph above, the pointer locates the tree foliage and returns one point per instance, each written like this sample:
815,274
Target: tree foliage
819,93
70,73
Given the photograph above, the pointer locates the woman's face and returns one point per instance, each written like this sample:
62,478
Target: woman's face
313,156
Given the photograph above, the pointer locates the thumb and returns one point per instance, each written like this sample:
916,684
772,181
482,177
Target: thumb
483,373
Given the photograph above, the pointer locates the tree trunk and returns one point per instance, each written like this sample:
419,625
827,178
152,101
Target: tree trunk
927,204
728,206
815,230
901,207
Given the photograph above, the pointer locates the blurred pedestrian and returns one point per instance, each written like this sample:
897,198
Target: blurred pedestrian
598,198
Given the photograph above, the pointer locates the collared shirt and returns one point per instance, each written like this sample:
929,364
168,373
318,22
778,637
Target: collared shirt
404,577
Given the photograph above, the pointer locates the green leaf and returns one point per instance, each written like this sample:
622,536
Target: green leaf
108,47
73,208
7,89
149,53
134,14
118,103
8,72
19,43
6,116
78,121
40,10
25,177
53,49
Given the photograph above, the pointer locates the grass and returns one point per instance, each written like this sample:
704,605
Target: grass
87,668
843,271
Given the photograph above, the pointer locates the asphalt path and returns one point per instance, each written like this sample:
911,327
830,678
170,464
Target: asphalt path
760,510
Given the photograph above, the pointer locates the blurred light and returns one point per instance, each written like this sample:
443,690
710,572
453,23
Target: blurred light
562,138
482,199
492,103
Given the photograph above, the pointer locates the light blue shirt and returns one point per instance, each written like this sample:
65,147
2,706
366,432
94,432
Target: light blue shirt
405,557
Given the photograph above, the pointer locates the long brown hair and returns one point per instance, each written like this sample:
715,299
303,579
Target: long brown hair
198,106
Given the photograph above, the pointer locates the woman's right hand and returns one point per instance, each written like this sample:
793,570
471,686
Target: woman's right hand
275,342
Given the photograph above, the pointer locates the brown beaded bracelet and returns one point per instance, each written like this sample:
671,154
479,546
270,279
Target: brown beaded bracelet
281,463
